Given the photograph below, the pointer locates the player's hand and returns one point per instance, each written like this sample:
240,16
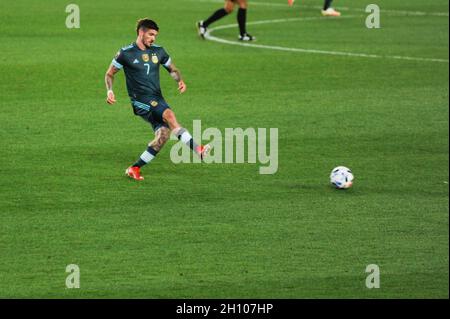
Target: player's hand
181,86
110,99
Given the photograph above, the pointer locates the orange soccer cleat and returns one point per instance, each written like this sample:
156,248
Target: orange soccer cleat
291,2
203,150
134,172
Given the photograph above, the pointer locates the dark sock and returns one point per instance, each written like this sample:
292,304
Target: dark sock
327,4
242,18
219,14
146,157
139,163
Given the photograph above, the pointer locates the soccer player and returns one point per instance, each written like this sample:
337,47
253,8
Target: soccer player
327,11
141,62
227,9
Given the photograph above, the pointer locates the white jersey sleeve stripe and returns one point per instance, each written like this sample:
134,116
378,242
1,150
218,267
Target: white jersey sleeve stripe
116,64
168,63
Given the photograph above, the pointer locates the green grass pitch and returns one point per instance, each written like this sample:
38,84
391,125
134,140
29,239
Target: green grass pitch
223,230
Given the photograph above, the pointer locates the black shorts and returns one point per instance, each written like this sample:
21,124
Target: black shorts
151,111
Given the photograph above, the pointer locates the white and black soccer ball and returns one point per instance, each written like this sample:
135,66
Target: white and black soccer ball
341,177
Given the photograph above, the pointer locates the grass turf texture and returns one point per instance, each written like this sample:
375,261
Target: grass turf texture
223,230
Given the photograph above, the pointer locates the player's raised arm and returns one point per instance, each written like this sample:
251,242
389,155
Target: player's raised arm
109,80
176,75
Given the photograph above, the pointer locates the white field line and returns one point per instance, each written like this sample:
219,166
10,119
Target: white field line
228,26
313,51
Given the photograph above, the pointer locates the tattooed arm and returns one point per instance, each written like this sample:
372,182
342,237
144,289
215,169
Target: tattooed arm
109,80
176,75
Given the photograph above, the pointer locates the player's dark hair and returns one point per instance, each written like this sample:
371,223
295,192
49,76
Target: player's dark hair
146,24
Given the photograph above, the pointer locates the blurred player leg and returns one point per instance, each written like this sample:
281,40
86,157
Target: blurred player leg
219,14
328,11
242,21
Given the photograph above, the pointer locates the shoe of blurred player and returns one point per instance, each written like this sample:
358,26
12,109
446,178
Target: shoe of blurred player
134,172
291,2
203,150
330,12
246,37
202,31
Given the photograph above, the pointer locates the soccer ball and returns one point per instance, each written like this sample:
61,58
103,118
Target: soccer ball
341,177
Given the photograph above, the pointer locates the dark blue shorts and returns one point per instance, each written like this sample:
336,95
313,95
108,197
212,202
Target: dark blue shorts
151,111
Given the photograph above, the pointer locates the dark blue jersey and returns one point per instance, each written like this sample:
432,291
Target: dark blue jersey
142,69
